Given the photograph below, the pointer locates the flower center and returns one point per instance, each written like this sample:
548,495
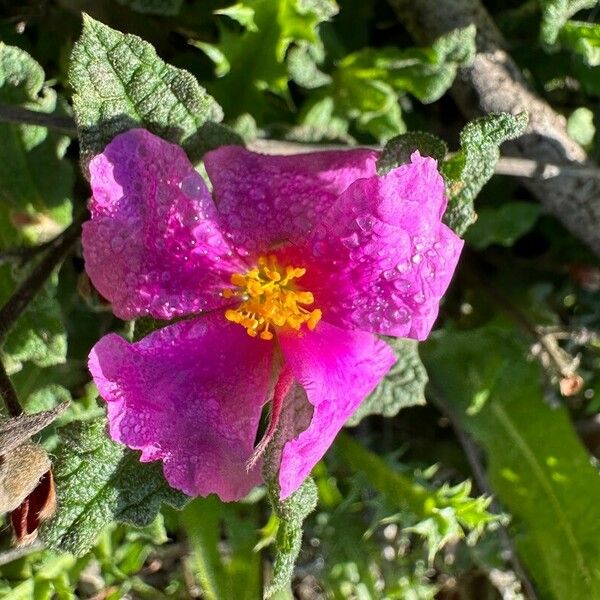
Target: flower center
270,298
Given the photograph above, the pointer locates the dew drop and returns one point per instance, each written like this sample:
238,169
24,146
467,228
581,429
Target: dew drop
192,186
365,222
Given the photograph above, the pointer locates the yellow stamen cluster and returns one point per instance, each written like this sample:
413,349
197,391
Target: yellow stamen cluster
270,298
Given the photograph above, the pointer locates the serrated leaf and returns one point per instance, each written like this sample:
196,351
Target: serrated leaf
502,225
555,14
403,386
35,183
399,149
99,481
258,55
473,165
120,82
536,464
583,39
440,515
366,84
154,7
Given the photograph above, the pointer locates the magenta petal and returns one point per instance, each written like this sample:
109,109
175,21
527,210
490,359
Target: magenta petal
190,395
382,258
265,199
337,369
153,245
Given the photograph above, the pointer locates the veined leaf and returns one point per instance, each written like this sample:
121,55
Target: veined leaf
97,482
120,83
536,464
555,14
403,386
473,165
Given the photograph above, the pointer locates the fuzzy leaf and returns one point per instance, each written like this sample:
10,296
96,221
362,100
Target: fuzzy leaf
403,386
555,14
536,464
120,83
473,165
399,149
97,482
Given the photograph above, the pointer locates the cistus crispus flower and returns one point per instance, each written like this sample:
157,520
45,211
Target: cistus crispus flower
282,276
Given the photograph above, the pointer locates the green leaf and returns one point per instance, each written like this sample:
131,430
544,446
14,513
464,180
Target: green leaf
35,182
473,165
580,126
503,224
426,73
154,7
239,575
583,39
537,466
366,84
244,15
99,481
555,14
120,83
403,386
257,56
399,149
440,514
38,335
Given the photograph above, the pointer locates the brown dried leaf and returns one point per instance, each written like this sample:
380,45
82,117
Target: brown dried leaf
16,430
21,470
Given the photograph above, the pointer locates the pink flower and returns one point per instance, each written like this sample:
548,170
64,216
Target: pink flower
284,276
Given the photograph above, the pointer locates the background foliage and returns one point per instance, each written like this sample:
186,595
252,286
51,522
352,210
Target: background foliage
471,472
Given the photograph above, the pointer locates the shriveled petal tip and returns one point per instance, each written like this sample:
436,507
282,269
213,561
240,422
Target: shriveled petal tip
153,245
337,369
265,199
382,257
190,395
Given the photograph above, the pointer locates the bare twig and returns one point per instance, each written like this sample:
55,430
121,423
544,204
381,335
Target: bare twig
511,166
24,294
494,83
9,394
17,114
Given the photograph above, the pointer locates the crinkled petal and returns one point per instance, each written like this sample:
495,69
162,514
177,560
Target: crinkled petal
266,200
337,369
153,245
190,395
381,259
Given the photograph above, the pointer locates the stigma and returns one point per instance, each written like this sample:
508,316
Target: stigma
271,298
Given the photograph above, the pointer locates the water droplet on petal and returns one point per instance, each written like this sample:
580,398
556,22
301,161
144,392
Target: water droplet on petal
192,186
365,222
